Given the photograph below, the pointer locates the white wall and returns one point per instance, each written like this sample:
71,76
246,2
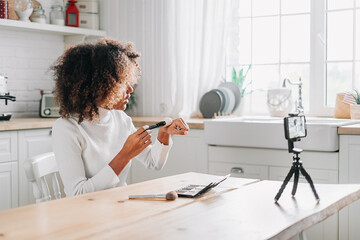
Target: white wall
26,58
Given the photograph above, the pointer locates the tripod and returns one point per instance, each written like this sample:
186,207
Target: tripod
294,170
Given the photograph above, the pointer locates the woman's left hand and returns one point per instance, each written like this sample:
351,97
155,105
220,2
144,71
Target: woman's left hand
177,127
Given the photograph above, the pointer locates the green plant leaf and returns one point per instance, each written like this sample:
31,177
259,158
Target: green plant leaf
356,96
234,77
247,71
239,79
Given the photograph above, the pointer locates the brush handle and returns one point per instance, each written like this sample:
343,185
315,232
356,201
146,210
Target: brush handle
159,124
167,121
147,196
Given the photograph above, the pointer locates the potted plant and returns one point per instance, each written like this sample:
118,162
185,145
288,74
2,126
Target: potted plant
239,79
355,108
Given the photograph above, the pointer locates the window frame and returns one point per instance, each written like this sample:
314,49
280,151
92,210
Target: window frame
318,88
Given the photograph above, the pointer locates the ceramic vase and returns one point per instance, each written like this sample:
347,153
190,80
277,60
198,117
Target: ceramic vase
23,9
355,111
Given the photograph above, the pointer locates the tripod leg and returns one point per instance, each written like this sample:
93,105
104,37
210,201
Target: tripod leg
308,178
296,180
287,179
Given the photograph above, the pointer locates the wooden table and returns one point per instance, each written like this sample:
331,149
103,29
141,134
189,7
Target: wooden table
236,209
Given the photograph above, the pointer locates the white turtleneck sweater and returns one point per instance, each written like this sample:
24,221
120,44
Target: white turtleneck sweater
84,151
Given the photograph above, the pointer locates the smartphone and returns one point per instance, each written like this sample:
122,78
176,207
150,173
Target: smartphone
295,127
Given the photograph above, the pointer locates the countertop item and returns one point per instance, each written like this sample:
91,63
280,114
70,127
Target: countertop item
236,91
242,207
212,103
349,130
57,15
33,123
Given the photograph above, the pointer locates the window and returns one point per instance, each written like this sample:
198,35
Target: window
315,40
343,47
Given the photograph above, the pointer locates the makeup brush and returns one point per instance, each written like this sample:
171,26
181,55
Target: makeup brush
169,196
165,122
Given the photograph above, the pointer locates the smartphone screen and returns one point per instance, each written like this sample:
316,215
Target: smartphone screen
295,127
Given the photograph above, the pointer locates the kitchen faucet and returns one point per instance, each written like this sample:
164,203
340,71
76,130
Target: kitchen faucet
299,106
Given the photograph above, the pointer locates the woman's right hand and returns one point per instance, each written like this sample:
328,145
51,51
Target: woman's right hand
133,146
137,142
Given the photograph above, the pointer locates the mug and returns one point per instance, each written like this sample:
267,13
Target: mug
4,9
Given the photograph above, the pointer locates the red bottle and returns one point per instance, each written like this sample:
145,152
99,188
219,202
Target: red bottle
4,10
72,14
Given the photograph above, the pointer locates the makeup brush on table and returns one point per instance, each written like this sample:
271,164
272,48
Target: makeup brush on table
168,196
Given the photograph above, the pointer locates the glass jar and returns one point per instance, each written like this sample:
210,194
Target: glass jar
38,15
57,15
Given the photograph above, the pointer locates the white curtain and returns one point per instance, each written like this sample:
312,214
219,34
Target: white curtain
182,43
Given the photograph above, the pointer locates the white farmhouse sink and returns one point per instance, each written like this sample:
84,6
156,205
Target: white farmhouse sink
268,132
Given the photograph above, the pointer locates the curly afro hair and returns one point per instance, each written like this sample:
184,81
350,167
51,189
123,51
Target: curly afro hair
92,74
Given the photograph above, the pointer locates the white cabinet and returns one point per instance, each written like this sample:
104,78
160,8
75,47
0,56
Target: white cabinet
273,164
8,146
8,185
349,169
31,143
16,147
8,170
188,154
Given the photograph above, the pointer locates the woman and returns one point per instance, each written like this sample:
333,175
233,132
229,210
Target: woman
94,141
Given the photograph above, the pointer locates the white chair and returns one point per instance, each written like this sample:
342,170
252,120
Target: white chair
37,169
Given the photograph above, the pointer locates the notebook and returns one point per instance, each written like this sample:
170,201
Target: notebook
193,190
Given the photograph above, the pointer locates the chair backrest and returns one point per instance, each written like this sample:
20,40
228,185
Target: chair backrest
38,169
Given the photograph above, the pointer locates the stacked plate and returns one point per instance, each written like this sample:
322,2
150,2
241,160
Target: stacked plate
223,100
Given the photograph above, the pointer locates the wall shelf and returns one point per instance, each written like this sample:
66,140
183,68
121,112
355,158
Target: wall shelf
15,25
72,35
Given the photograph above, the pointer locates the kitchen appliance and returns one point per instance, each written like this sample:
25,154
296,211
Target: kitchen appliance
4,94
48,108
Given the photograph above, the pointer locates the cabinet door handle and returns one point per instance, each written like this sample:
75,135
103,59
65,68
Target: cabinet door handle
50,133
237,170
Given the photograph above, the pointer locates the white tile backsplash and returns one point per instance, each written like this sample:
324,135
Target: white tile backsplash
26,58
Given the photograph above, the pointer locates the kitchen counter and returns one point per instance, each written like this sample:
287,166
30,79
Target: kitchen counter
349,130
194,123
26,123
33,123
